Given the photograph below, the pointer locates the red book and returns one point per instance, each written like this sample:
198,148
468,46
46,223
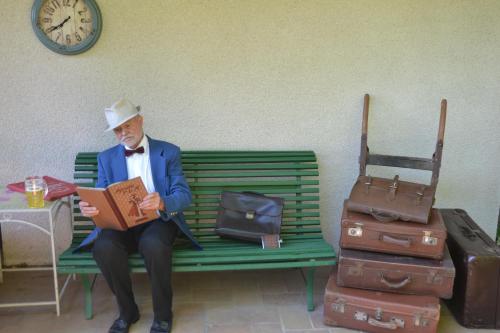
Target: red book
57,188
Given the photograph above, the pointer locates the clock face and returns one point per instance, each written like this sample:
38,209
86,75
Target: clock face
66,26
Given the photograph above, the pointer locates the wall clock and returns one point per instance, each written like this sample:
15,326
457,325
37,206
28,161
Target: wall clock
66,26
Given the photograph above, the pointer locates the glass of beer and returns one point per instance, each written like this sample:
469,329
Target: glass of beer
35,189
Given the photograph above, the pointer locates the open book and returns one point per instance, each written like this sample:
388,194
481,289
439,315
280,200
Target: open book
118,204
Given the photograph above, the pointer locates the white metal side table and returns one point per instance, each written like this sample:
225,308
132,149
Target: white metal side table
12,204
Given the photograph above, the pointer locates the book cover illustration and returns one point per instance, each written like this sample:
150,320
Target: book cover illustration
127,196
118,204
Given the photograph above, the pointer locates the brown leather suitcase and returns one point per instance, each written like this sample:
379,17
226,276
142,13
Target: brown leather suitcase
390,199
476,295
375,311
398,274
363,232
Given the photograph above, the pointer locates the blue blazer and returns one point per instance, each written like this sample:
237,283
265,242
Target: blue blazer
168,179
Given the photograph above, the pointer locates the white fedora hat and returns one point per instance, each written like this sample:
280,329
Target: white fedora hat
120,112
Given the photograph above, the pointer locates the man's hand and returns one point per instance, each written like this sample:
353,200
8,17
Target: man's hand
87,210
152,201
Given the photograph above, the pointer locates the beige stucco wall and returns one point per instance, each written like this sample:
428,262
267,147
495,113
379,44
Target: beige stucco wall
268,75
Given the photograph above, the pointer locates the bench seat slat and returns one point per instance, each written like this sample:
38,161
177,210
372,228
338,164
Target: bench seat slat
254,253
213,240
217,267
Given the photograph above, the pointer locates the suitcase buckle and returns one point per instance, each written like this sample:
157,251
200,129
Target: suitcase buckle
361,316
355,232
339,306
399,322
428,239
419,321
356,270
378,313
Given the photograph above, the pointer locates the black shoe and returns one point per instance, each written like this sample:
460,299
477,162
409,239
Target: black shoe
160,326
121,326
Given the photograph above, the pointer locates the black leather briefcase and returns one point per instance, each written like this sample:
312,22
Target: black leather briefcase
251,217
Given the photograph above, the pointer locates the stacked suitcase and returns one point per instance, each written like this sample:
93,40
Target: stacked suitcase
394,265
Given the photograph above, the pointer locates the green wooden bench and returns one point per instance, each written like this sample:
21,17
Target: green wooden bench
292,175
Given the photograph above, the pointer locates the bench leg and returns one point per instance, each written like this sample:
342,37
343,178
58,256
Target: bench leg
87,289
310,288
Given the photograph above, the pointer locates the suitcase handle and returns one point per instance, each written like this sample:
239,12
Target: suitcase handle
383,217
390,325
404,242
395,285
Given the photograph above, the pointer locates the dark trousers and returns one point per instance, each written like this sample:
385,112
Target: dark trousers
154,242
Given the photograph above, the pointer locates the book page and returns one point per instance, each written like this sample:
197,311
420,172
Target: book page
127,196
106,219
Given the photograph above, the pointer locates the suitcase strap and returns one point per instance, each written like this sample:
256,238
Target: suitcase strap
420,195
393,188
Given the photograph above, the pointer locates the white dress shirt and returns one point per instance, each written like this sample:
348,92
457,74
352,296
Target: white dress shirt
139,165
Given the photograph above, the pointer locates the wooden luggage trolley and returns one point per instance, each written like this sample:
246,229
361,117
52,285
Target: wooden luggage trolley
396,286
431,164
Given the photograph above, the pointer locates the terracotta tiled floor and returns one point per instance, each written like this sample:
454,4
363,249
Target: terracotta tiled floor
214,302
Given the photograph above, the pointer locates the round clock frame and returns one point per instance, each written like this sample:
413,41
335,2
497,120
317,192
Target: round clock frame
85,43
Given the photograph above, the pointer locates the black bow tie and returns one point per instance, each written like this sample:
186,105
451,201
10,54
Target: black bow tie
131,152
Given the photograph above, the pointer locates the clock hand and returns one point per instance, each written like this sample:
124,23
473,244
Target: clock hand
63,22
59,25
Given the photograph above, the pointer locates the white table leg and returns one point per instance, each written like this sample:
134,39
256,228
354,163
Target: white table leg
54,263
1,266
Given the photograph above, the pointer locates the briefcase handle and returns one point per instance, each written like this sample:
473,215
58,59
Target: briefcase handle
264,196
